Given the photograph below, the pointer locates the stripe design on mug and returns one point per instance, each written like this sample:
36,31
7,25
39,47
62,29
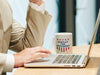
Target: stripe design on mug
63,45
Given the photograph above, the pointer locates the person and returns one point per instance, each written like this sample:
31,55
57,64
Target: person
27,41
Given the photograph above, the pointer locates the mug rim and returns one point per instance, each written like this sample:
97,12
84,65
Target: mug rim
66,33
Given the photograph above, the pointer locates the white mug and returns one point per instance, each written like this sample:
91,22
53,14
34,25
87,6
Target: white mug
63,43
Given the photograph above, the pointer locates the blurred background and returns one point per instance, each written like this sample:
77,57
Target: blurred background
76,16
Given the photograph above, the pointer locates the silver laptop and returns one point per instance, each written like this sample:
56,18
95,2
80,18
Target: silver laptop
98,73
66,60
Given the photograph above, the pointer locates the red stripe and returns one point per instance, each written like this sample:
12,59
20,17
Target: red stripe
66,49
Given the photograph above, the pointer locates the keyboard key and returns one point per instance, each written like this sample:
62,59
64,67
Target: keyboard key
70,59
57,58
78,59
75,58
84,60
66,59
61,60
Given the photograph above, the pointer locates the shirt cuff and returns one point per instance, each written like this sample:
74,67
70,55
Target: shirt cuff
40,8
9,65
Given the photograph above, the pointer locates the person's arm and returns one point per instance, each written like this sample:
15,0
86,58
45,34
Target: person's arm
31,36
6,61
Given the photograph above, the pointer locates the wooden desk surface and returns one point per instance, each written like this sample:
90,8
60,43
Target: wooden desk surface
91,68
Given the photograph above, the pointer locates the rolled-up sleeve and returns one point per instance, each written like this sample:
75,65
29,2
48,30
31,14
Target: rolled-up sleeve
33,34
3,58
40,8
9,65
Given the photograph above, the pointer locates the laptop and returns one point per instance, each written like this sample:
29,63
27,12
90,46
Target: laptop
66,60
98,73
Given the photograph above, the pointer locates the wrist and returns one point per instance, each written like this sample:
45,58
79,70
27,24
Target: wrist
37,2
18,61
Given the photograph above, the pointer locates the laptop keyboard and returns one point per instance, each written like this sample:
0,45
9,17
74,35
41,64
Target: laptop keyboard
67,59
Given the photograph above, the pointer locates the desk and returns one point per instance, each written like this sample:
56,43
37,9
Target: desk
91,68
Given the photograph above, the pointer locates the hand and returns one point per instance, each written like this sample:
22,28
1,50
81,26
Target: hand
30,54
38,2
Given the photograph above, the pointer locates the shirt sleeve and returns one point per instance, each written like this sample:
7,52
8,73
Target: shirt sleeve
40,8
9,65
34,32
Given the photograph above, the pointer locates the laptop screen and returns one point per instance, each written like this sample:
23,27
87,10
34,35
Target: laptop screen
94,33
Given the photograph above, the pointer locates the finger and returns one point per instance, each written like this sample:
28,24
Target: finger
42,55
35,56
34,1
36,48
43,51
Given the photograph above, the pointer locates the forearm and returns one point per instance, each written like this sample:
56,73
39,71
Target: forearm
37,24
33,35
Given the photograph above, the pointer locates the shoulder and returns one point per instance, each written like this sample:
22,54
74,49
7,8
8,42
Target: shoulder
4,6
6,14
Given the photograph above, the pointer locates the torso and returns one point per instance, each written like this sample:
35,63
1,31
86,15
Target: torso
7,20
